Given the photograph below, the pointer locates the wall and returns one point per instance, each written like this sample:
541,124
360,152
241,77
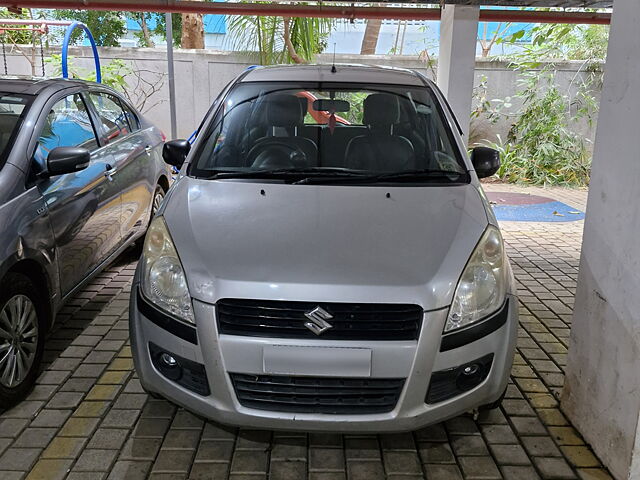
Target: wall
201,75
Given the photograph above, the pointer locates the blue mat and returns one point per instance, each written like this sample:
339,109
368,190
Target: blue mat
539,212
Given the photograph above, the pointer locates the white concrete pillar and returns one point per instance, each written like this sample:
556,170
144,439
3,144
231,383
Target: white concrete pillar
602,387
457,59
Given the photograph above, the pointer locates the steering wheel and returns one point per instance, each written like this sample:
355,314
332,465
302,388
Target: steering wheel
276,153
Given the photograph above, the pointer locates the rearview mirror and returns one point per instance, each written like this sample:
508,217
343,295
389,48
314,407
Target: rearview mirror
63,160
329,105
485,160
175,152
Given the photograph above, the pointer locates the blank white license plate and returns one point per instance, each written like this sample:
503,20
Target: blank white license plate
321,361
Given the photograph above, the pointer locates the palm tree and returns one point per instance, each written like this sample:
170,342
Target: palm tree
280,39
192,31
371,34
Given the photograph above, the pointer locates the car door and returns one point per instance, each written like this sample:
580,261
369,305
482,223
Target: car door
133,155
85,206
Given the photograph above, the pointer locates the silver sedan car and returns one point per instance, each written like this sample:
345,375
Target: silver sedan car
326,260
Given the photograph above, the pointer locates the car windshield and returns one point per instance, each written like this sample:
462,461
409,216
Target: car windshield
12,110
381,132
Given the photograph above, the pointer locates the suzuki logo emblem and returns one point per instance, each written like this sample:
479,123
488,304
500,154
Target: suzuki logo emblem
318,320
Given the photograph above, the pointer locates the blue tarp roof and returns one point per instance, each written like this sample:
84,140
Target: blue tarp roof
212,24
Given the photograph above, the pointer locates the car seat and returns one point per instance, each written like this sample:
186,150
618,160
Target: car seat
411,126
380,149
285,116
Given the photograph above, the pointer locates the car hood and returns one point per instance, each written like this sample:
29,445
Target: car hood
324,243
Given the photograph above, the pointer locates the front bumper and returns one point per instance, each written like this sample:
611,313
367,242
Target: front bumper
413,360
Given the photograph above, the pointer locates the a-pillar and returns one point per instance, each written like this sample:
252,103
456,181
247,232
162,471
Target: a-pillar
602,387
457,59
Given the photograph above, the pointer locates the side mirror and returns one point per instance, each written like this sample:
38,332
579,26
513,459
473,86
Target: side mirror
175,152
485,160
63,160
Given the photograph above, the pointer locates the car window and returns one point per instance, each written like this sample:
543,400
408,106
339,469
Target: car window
113,118
374,129
67,125
132,118
12,110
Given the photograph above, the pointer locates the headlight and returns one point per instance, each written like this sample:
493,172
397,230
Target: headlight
482,287
163,281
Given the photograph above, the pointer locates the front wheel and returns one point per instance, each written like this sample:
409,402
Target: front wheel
22,330
158,197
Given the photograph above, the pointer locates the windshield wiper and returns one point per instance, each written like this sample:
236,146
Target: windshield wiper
406,175
421,174
287,173
316,175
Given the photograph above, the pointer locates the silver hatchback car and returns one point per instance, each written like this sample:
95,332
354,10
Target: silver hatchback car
326,260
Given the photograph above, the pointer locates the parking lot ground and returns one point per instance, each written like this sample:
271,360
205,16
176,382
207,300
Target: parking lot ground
89,418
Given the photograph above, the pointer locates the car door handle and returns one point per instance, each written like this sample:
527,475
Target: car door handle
148,149
109,172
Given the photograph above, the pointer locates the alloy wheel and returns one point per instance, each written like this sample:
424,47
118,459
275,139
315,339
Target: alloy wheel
157,201
18,339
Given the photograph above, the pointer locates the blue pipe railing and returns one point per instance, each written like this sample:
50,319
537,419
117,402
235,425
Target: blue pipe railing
65,49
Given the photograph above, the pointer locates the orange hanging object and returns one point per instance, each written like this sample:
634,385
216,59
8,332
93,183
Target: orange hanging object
332,122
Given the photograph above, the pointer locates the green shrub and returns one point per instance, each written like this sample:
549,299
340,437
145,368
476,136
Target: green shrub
541,148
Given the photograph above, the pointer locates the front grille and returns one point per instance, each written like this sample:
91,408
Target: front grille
332,395
350,321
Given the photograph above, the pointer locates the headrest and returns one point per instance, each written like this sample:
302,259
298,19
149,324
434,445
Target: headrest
380,110
407,110
284,110
304,104
8,122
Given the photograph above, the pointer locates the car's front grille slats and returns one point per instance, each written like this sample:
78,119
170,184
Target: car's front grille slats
317,394
349,321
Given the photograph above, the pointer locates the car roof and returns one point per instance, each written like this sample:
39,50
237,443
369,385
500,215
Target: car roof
347,73
36,85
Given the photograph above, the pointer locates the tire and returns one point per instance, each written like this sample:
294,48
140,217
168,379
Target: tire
158,196
21,309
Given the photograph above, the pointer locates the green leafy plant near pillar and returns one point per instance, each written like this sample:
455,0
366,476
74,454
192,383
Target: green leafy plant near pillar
541,148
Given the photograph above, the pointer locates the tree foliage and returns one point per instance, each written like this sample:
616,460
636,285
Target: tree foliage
279,39
16,37
143,19
157,27
489,37
107,27
563,42
161,27
21,36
